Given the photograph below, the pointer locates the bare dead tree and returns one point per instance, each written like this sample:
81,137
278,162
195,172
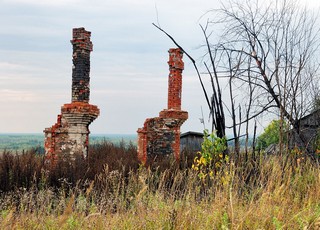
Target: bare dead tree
276,44
248,110
217,110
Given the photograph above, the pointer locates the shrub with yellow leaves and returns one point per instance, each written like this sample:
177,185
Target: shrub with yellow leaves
209,161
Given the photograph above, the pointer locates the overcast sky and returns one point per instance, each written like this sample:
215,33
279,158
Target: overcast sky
129,68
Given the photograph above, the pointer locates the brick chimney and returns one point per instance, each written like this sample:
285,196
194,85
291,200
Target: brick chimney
160,136
175,79
70,135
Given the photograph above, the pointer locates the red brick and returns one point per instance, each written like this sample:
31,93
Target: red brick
70,135
161,135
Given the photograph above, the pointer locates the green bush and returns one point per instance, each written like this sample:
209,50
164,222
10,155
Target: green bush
211,157
271,134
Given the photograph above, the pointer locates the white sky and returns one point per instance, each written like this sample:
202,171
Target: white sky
128,64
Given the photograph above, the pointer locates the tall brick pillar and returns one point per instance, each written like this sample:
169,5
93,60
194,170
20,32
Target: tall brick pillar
70,135
176,66
161,135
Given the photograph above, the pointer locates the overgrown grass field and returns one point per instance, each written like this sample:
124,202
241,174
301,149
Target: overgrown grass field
110,190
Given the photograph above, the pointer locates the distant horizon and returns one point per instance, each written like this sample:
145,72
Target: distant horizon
24,141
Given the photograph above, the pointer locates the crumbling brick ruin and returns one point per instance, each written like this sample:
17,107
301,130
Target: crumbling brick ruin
70,135
161,135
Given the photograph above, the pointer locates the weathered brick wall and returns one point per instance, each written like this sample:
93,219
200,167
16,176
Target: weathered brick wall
70,135
161,135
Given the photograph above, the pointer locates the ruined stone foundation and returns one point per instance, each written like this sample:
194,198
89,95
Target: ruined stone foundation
161,135
70,135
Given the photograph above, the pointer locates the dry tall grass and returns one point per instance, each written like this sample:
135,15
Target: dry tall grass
263,193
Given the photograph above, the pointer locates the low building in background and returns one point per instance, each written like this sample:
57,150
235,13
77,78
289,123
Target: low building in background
191,141
309,137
